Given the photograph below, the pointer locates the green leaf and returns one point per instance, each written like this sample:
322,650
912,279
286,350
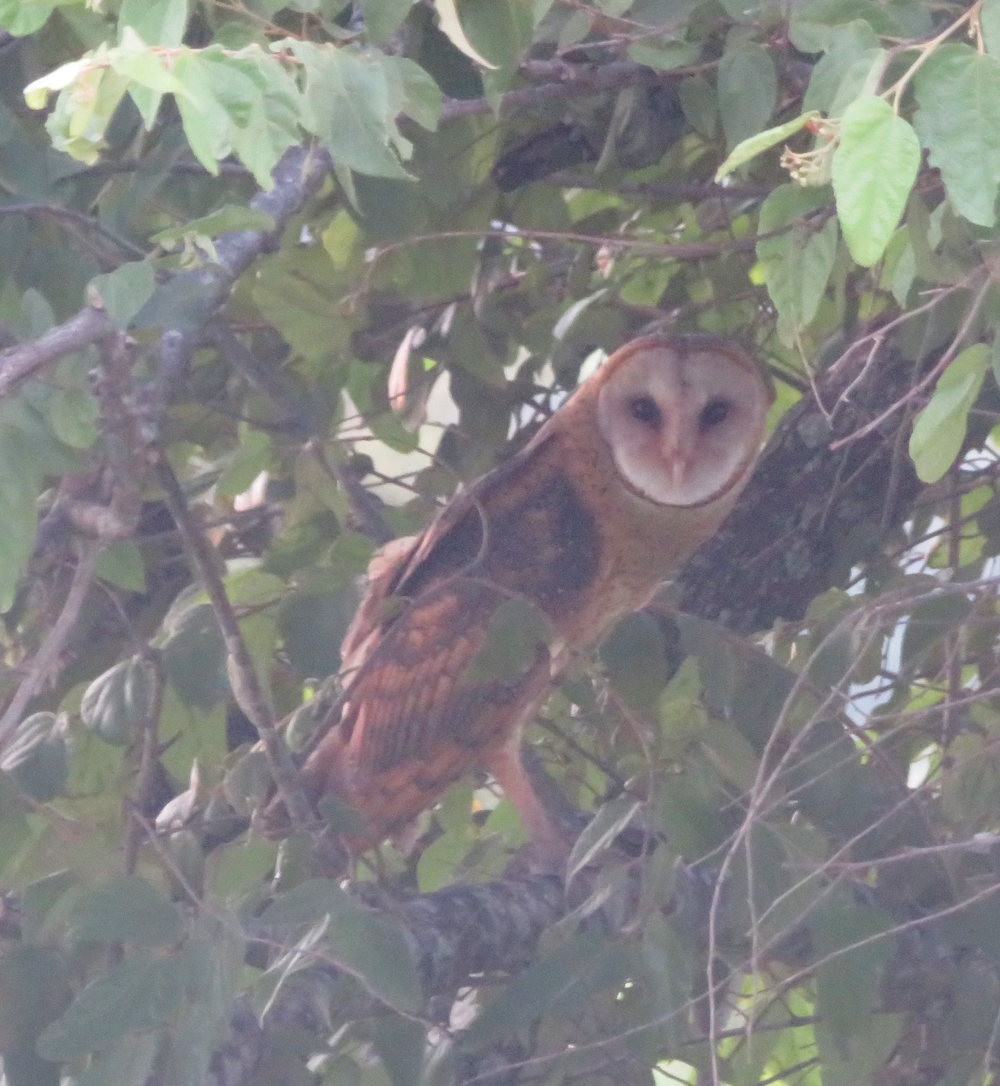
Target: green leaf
844,72
957,91
238,102
401,1044
847,976
451,27
492,26
125,291
124,1064
558,982
600,832
122,564
517,630
748,91
797,261
939,428
815,24
194,655
159,23
34,989
368,945
73,413
663,56
634,656
874,168
126,910
989,21
139,993
18,514
384,17
247,461
21,19
117,704
230,217
755,145
356,98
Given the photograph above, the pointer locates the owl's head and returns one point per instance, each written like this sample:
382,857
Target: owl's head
683,416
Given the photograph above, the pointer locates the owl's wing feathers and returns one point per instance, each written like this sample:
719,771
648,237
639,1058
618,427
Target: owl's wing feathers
418,710
422,685
403,568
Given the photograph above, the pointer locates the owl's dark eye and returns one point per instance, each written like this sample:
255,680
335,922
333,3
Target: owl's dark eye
643,409
714,412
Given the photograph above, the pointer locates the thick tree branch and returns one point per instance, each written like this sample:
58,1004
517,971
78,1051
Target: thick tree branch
19,363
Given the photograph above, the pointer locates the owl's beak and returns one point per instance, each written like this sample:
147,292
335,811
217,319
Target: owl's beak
678,453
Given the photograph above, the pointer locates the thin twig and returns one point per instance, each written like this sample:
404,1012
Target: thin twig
47,656
246,686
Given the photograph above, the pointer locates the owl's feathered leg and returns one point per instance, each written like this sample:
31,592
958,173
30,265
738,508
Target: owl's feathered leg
550,819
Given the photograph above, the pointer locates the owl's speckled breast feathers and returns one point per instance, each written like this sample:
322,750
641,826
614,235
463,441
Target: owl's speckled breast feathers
610,496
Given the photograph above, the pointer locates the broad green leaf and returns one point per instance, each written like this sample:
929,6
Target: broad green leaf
368,945
494,28
19,483
126,910
939,428
750,148
124,1064
663,56
748,91
125,291
356,97
847,975
73,414
634,656
929,621
957,91
401,1044
241,102
600,832
815,24
970,783
874,168
451,26
34,990
842,73
194,655
313,624
158,23
558,982
989,20
223,219
117,703
122,564
797,261
82,113
21,19
138,994
970,1022
516,632
248,460
384,17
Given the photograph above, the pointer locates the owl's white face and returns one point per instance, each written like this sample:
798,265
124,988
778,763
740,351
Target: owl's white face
684,419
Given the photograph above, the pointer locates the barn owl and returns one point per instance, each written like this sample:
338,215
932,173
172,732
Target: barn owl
616,489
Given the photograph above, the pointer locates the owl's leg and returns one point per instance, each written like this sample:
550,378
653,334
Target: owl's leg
552,822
